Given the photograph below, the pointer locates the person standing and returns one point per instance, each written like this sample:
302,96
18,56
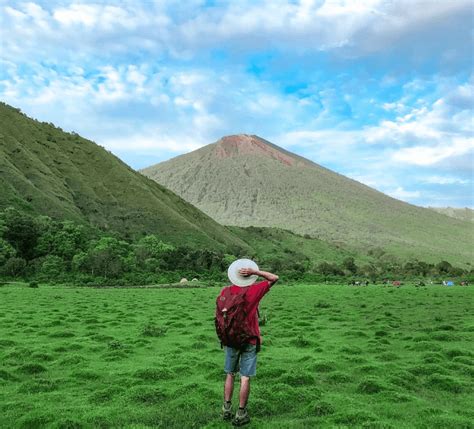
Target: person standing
238,329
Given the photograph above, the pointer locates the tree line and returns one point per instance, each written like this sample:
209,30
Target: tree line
42,249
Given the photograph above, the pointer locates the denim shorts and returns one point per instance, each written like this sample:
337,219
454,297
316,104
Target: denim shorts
244,361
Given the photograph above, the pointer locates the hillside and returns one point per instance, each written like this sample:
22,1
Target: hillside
457,213
247,181
275,244
46,171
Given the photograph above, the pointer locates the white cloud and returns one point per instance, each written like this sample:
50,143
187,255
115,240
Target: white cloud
402,194
293,27
432,155
153,141
445,180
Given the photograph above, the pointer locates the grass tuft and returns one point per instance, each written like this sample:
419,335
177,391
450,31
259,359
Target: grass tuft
370,386
446,383
322,408
62,334
152,330
6,376
452,353
38,385
32,368
105,395
354,418
147,395
301,341
298,379
322,304
154,374
69,424
324,366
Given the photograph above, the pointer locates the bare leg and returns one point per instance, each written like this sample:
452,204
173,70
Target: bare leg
244,391
229,387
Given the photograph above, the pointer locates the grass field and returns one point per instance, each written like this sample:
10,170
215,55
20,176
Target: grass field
333,356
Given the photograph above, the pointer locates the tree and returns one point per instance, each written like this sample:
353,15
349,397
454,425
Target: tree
21,232
14,267
444,267
52,267
62,239
107,257
329,269
6,251
150,250
349,265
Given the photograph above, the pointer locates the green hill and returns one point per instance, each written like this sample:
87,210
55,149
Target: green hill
275,244
44,170
246,181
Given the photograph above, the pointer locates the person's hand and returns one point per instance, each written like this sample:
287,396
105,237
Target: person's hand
246,271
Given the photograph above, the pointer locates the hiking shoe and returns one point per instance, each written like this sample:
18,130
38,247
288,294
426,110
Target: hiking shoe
241,418
227,411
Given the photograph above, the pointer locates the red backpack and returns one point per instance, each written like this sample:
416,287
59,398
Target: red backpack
231,322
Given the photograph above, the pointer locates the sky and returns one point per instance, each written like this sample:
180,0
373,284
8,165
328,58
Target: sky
380,91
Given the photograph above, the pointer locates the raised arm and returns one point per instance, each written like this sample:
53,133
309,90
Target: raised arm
272,278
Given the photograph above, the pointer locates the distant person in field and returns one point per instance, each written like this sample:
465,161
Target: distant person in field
238,330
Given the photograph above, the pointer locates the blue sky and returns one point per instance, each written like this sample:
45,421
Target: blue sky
380,91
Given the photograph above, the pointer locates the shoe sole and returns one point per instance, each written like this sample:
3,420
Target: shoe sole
241,423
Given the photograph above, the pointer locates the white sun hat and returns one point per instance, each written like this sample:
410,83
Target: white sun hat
238,279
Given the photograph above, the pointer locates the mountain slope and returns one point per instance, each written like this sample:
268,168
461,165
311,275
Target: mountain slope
457,213
246,181
44,170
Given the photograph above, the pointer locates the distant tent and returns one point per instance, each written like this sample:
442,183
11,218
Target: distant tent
449,283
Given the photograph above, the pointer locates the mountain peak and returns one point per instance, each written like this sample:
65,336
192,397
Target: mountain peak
246,144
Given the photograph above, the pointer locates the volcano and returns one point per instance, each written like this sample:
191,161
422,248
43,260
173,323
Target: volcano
244,180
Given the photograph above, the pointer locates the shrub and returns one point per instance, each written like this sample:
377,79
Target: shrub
33,284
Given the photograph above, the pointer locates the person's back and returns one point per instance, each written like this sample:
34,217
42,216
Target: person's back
243,357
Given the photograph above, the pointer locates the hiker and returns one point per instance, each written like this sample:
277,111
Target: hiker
238,329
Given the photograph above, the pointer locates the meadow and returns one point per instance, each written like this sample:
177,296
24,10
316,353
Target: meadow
332,356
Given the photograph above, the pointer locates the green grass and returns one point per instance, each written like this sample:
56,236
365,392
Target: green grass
332,356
